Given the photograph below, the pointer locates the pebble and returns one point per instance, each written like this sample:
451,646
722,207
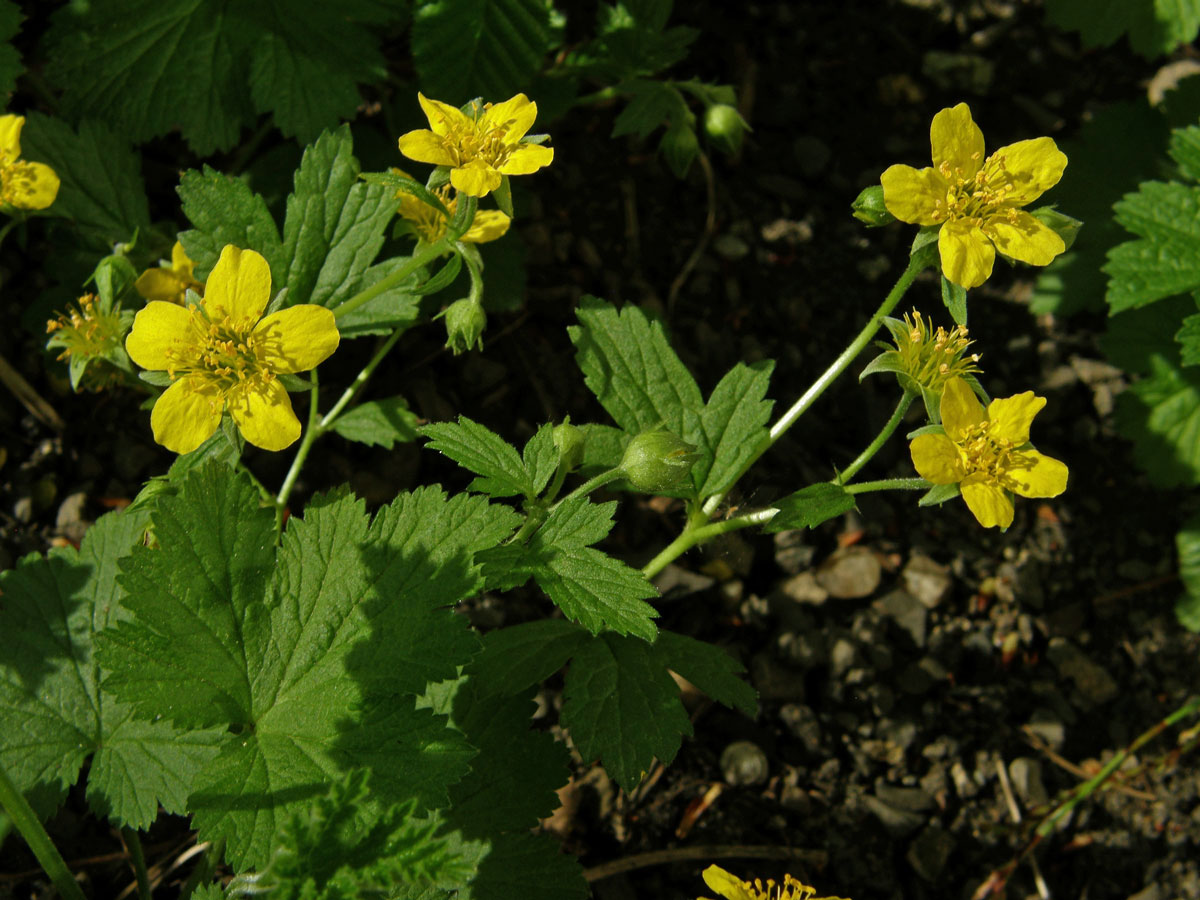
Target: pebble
792,554
681,581
744,763
775,681
803,649
1046,725
897,822
1094,684
909,613
802,723
930,851
69,521
926,580
843,655
731,247
964,785
1026,775
23,510
804,588
912,799
850,573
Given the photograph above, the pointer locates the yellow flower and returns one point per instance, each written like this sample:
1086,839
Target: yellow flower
170,283
732,888
977,201
221,356
91,332
429,222
23,185
988,453
478,148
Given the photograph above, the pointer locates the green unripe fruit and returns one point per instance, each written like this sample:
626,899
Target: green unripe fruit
680,146
657,461
569,440
725,127
465,322
868,207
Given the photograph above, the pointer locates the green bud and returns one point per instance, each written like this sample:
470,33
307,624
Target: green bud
868,207
725,127
569,440
657,461
465,322
1064,226
680,146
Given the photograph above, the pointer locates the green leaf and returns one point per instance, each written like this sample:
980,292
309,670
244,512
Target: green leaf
632,370
654,104
732,426
632,39
520,656
479,449
1187,544
335,224
1161,414
1188,337
10,58
1166,260
398,306
1153,28
225,211
102,189
208,67
575,523
811,506
939,494
528,867
599,592
540,457
379,423
53,713
1185,150
621,706
1133,338
479,48
955,298
709,668
306,655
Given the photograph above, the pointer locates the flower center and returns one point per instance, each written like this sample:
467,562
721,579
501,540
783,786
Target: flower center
976,197
224,354
791,889
18,181
986,454
428,221
480,138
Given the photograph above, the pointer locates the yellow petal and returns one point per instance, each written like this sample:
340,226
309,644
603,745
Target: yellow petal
725,884
476,178
527,159
516,113
160,284
10,135
298,338
956,139
186,414
1033,474
989,504
158,327
1024,238
1033,167
238,287
967,254
935,458
425,146
489,225
960,408
911,195
1011,416
39,188
181,263
264,415
443,118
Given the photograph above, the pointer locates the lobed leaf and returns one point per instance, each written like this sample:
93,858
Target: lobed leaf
381,423
1153,28
223,210
1166,260
732,426
1161,414
475,447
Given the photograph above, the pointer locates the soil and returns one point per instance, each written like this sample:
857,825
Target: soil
928,688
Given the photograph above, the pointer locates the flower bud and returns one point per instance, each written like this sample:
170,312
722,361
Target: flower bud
657,461
680,146
868,207
725,127
569,441
465,322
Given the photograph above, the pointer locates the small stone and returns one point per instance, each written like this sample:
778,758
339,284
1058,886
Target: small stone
731,247
964,785
913,799
1046,725
680,582
793,795
803,724
775,681
744,763
907,612
897,822
930,851
23,510
804,588
792,554
850,572
1026,775
1094,684
842,657
803,649
926,580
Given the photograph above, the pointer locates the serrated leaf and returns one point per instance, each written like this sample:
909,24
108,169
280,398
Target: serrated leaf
53,713
1185,150
732,425
574,523
599,592
225,211
709,668
632,39
1188,337
1161,414
379,423
1166,261
540,457
1187,545
1134,337
653,105
631,368
311,656
102,189
621,706
479,449
470,48
1153,27
335,223
809,507
10,59
954,296
528,867
396,307
520,656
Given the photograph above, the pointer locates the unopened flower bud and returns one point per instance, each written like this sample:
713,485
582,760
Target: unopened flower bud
569,441
868,207
680,146
465,322
725,127
657,461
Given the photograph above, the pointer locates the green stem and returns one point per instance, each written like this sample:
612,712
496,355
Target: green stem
886,432
808,398
592,484
206,868
420,257
691,536
133,844
306,442
35,835
889,484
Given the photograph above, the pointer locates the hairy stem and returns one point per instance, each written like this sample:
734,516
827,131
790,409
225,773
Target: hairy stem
691,536
27,822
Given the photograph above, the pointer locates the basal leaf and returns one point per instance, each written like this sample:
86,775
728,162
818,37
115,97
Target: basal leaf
468,48
53,712
1153,28
380,423
809,507
1161,413
732,425
520,656
223,210
1166,260
477,448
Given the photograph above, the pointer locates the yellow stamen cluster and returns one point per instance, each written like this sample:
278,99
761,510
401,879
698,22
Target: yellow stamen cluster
791,889
428,221
931,357
18,183
976,197
478,136
224,353
989,455
84,331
